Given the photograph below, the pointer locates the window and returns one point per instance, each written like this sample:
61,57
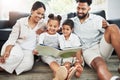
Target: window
99,5
53,6
14,5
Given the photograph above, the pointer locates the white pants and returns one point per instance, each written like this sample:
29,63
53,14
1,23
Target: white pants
59,60
19,60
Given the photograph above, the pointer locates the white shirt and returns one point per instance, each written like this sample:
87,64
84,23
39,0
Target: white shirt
90,31
23,35
49,40
73,41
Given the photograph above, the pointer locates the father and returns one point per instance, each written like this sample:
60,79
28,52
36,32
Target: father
98,39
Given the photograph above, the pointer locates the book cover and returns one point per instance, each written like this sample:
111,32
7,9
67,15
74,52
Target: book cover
47,50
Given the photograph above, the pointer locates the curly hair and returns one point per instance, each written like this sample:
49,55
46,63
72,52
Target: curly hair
89,2
53,17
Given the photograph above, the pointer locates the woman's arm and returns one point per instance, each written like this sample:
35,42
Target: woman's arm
12,39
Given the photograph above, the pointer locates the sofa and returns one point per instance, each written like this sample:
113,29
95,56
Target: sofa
6,25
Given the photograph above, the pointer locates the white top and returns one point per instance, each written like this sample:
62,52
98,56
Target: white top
49,40
73,41
90,31
22,34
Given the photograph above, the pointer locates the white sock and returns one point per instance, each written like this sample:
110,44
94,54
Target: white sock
114,77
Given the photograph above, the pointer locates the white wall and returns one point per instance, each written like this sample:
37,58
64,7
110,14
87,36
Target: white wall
113,11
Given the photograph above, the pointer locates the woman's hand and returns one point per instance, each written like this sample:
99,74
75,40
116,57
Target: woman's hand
7,51
39,31
6,55
2,60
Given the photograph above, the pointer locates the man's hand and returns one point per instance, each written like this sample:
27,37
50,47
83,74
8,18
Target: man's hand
105,24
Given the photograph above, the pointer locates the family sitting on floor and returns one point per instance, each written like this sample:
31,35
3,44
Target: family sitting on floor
91,32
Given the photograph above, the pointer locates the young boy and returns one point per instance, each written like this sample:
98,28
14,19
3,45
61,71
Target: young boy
70,40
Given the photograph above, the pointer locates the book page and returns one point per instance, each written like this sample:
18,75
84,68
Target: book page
47,50
69,52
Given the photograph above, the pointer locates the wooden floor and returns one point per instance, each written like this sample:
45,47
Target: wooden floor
41,71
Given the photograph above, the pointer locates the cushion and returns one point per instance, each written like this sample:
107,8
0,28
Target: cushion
4,33
115,21
101,13
13,16
4,24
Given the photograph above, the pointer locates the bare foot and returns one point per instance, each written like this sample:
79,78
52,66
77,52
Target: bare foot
71,72
61,73
79,70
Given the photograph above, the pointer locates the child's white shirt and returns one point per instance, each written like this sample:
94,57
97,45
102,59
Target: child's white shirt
49,40
73,41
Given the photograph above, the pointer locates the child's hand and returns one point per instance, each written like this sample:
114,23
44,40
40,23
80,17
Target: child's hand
80,60
35,52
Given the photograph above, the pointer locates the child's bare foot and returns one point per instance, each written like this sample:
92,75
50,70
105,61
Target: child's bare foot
61,73
79,70
71,72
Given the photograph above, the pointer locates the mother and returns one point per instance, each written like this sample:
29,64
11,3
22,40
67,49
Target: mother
17,53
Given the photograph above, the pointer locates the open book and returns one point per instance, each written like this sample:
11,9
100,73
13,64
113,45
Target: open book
47,50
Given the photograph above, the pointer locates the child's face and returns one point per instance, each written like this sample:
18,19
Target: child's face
52,26
66,30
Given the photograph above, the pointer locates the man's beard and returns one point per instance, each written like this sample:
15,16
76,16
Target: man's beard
82,17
